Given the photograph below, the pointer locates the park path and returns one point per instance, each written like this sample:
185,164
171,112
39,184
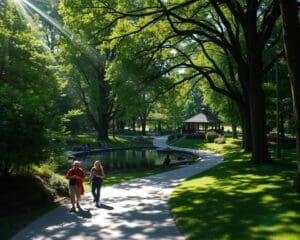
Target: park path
137,209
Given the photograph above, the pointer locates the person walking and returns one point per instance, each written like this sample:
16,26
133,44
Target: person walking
96,178
75,175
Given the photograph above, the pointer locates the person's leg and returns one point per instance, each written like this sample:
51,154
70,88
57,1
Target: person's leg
72,193
78,195
97,192
93,190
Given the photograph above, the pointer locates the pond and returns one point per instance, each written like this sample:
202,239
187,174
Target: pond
131,158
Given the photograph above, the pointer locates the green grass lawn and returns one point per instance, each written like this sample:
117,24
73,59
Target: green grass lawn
238,199
116,141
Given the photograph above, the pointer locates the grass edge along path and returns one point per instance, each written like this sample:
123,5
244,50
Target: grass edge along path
238,199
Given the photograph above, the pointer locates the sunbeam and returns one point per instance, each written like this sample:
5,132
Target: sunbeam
27,10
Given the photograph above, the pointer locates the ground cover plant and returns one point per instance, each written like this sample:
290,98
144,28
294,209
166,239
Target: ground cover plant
239,199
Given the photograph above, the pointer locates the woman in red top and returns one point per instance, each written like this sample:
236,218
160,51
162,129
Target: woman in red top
75,176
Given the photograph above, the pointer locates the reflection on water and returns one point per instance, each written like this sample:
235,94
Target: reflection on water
131,158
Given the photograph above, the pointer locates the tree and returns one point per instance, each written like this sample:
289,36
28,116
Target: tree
291,34
225,107
27,98
87,68
242,30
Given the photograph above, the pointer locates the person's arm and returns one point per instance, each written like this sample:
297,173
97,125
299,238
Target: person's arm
91,174
68,175
102,173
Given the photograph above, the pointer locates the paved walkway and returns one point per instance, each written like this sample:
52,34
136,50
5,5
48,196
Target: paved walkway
137,209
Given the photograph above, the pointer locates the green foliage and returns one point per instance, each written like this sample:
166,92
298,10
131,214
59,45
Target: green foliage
220,140
196,136
59,184
211,136
47,172
28,119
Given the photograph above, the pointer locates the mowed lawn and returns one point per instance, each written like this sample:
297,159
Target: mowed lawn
239,199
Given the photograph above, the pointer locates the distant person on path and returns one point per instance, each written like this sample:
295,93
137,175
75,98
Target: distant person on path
87,147
96,178
75,175
167,161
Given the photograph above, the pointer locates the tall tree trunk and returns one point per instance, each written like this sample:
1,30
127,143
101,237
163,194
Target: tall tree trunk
133,124
143,122
159,127
281,124
291,35
246,129
113,127
102,128
103,106
260,151
234,130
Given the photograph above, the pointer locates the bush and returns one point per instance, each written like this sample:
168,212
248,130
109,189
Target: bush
59,184
196,136
56,183
211,136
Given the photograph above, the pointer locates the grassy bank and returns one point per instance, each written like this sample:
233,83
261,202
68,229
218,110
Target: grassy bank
238,199
116,141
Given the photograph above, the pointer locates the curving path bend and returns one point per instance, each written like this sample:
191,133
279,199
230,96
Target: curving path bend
137,209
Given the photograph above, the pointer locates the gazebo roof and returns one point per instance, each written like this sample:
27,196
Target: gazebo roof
203,118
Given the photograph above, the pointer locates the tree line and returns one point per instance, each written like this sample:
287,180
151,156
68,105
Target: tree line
132,59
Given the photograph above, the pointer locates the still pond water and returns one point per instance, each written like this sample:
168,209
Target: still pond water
131,158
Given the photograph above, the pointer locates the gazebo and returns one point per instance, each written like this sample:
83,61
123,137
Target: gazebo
201,123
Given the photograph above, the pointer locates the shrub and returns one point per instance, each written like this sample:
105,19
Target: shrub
55,183
211,136
44,170
196,136
59,184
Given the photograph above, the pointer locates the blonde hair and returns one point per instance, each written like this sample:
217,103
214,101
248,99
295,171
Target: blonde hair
96,163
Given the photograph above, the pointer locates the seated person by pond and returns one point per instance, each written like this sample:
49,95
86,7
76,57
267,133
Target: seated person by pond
167,161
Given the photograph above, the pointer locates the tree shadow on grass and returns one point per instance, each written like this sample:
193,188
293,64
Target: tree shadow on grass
239,200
